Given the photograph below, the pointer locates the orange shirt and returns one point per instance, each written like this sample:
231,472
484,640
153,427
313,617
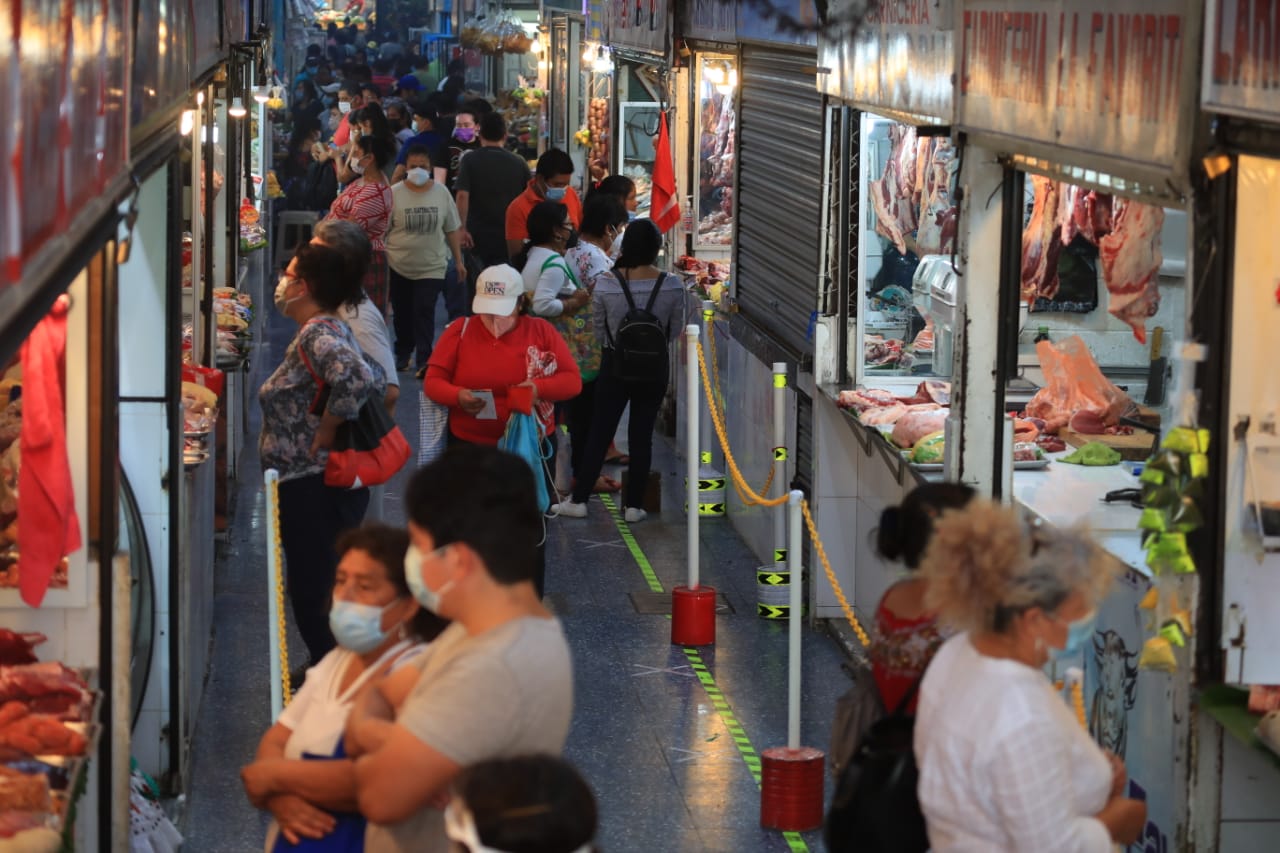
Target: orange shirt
518,211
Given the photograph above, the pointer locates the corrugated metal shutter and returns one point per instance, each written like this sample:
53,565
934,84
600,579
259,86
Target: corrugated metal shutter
780,153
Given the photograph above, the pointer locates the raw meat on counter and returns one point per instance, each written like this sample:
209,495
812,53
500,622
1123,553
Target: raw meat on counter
1131,261
49,688
883,415
1074,384
37,734
862,399
879,352
1050,443
930,391
23,792
18,648
914,426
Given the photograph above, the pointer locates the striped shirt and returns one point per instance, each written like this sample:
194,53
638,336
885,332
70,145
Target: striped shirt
369,206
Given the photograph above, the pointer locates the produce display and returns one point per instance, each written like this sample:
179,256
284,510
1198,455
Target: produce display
1095,453
596,135
929,450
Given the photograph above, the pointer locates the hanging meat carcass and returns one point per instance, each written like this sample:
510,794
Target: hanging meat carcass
1083,212
936,234
893,196
1131,261
1041,243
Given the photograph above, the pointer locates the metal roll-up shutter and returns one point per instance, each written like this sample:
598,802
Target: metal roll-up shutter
779,194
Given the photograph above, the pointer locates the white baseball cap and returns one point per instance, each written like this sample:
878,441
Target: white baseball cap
498,289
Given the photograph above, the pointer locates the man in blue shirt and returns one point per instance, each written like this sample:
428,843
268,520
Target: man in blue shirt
424,122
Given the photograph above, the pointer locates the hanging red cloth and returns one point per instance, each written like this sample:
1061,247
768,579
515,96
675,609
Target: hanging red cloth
664,206
48,527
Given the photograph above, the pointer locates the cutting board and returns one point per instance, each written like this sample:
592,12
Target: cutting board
1135,448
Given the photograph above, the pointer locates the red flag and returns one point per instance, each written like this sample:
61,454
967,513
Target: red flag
664,206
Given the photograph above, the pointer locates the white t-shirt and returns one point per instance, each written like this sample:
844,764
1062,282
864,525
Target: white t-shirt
319,710
548,279
500,694
415,238
1004,764
370,332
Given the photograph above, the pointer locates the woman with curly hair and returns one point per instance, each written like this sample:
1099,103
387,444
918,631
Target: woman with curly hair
1004,764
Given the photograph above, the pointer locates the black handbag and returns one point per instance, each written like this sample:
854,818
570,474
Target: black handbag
856,712
875,808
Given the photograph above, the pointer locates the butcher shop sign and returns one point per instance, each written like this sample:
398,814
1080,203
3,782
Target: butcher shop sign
1242,58
899,63
1104,85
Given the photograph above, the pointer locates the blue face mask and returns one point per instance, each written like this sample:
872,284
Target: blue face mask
425,595
556,193
357,627
1078,634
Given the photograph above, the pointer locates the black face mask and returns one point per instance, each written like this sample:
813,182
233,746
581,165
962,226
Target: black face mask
572,239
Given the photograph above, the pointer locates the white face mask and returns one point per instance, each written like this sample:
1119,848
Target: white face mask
615,248
283,302
344,106
357,166
418,176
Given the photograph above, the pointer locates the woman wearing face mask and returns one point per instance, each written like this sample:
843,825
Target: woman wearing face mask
487,358
634,279
306,102
296,433
367,201
1004,763
603,219
622,188
379,627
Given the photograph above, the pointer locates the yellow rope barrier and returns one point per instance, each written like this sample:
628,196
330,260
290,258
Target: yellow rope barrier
274,506
745,491
716,396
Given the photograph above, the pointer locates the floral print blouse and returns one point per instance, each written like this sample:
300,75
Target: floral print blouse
288,426
900,650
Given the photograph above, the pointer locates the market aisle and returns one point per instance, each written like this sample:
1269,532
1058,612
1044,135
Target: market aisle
666,767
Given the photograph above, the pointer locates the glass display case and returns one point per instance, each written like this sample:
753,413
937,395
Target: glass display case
717,137
907,293
638,130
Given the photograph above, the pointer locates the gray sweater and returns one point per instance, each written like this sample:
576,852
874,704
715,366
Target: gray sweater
610,304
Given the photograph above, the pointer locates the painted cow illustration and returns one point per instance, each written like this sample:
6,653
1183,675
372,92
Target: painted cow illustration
1116,693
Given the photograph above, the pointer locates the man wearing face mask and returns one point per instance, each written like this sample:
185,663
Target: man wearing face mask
489,179
348,100
423,235
425,134
465,138
497,683
550,183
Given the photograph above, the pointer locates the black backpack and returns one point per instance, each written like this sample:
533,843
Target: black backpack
875,808
640,349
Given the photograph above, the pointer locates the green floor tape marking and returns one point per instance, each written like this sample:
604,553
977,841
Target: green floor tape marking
650,576
748,752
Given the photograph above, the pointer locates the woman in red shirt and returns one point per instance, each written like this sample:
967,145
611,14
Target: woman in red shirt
367,202
494,353
907,633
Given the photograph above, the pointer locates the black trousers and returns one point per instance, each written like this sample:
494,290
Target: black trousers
540,556
612,396
414,301
578,415
312,515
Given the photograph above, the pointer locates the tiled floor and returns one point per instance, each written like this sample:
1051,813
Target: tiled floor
667,772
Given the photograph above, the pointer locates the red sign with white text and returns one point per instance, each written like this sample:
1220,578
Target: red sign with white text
1242,58
1099,78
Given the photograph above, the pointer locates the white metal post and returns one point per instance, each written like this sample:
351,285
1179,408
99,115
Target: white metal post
779,448
692,404
272,479
705,438
793,646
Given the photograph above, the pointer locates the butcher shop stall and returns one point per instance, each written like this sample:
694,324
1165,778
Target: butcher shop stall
1239,731
1016,255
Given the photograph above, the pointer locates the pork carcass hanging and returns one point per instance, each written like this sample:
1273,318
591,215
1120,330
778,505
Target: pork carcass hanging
936,234
1041,243
893,196
1131,261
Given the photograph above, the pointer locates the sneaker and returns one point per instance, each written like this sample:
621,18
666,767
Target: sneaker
634,514
569,509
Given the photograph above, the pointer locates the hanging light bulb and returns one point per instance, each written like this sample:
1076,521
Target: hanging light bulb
727,87
237,110
187,123
714,74
602,63
537,46
588,54
262,94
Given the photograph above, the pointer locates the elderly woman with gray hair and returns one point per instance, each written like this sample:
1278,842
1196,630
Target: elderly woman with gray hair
1004,764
